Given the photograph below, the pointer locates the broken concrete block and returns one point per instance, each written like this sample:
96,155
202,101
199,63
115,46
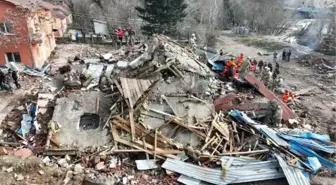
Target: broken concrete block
41,172
46,160
24,152
125,180
107,56
62,162
100,166
9,170
68,177
78,169
19,177
113,163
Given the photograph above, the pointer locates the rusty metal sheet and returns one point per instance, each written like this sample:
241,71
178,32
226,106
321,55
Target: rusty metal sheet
230,106
287,113
225,100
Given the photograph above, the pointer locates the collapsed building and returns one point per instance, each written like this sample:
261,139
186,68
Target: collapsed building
166,105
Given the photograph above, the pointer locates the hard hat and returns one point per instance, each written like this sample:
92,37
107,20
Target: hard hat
248,57
193,35
205,48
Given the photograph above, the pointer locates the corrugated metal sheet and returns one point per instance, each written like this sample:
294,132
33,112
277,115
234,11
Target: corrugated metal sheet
146,164
310,143
293,175
245,173
304,151
238,160
250,164
287,113
188,180
273,135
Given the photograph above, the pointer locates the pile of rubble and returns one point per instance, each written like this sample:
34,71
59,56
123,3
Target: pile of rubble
158,103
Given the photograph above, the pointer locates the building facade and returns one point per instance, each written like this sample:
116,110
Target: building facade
26,33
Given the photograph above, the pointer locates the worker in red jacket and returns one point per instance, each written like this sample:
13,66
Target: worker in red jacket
120,34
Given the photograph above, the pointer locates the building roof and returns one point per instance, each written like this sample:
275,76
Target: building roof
59,11
32,4
59,14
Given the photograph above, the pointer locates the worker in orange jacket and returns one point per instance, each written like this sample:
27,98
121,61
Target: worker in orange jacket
229,68
285,97
288,97
240,60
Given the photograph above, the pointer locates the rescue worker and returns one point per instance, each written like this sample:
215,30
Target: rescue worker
274,75
132,35
120,34
260,65
221,52
275,56
192,41
266,76
277,66
240,60
285,96
289,55
14,76
2,78
277,84
3,82
270,66
230,68
284,54
126,35
290,100
252,66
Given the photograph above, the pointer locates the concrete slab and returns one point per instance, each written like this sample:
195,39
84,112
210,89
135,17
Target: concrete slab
188,110
68,111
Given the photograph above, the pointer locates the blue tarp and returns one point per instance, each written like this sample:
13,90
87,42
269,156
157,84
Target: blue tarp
295,147
242,117
314,163
216,66
309,143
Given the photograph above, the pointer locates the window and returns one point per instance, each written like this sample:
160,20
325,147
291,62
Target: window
6,27
13,57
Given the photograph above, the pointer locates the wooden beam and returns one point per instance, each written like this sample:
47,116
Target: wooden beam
131,117
177,121
155,144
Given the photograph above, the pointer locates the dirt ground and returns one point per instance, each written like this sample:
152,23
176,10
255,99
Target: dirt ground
296,77
18,171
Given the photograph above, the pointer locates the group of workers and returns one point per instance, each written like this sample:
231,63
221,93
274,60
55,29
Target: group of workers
128,33
286,54
6,80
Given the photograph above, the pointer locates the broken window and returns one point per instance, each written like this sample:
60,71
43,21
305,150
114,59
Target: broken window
6,27
89,121
13,57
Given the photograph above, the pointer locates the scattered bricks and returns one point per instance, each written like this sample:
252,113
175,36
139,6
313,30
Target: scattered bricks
24,152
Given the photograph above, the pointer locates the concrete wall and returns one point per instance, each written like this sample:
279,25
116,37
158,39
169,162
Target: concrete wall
33,52
17,42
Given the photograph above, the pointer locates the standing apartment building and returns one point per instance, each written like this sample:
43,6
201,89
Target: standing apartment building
26,32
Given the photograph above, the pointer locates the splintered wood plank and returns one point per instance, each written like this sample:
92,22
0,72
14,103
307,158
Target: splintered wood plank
131,117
